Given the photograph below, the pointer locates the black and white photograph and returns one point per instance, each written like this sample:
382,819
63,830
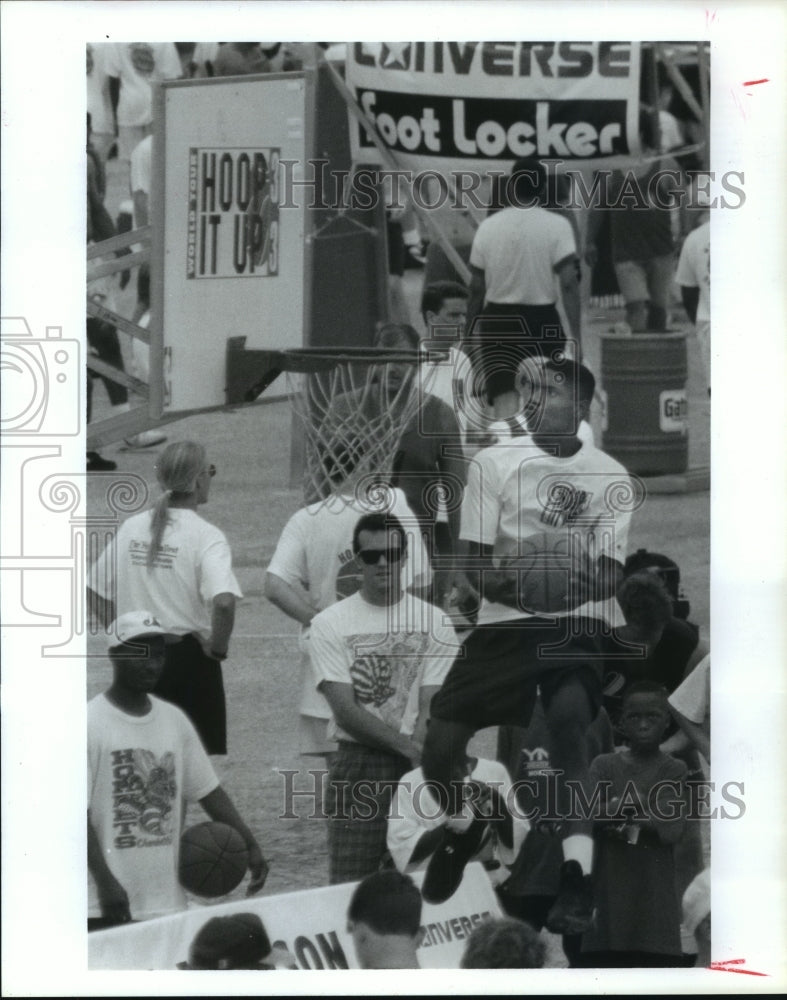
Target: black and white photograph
369,519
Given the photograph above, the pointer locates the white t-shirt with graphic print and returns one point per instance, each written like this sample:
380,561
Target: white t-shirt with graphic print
193,565
140,771
138,64
385,653
315,552
515,491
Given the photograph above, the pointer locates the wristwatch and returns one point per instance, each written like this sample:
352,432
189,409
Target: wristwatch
217,656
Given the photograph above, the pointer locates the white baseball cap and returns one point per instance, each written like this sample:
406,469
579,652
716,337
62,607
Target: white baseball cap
133,625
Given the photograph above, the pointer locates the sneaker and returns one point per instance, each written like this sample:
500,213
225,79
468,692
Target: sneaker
572,911
95,463
145,439
447,865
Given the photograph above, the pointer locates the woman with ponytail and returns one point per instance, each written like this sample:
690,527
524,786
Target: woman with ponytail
172,562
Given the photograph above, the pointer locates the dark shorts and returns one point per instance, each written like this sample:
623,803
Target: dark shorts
193,681
539,324
500,668
508,333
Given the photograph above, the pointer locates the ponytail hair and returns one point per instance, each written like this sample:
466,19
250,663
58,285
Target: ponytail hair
176,471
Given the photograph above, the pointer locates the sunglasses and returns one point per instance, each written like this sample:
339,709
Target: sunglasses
372,556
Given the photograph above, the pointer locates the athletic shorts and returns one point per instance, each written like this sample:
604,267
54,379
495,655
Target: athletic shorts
193,681
540,324
509,333
646,280
500,669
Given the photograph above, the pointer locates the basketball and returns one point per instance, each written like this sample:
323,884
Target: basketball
551,573
213,859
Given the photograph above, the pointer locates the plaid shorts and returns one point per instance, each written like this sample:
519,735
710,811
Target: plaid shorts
358,799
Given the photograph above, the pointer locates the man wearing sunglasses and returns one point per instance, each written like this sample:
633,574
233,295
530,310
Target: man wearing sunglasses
379,656
313,567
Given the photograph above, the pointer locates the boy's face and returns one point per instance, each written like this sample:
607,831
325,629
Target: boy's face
556,409
141,673
644,720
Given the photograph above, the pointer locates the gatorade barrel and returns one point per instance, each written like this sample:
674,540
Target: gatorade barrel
645,422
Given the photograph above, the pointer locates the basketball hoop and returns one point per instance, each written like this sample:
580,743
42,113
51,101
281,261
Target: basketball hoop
353,404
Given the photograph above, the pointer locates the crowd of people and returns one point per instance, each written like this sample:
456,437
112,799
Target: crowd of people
519,606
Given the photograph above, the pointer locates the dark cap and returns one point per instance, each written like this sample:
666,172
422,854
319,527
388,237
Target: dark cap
654,562
238,941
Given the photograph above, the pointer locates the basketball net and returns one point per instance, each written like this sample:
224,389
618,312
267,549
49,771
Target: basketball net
353,415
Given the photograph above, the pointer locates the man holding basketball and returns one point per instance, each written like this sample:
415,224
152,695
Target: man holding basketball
545,523
145,762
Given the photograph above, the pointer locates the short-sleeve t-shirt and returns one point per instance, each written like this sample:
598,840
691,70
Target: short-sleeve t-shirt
315,548
635,892
518,250
386,653
140,770
515,491
138,64
193,565
315,552
694,267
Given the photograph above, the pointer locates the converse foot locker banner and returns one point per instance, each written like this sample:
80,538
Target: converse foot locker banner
476,106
